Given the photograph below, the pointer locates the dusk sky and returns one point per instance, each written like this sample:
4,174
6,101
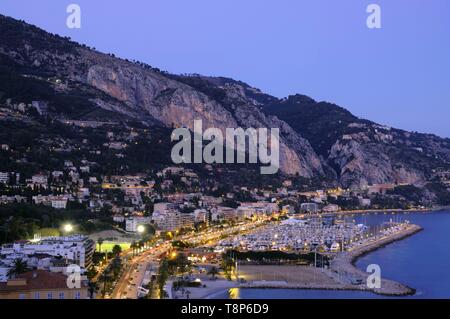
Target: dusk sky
398,75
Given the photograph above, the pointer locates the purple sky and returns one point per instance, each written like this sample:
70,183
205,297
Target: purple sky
398,75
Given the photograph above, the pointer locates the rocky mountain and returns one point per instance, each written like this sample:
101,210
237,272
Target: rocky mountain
318,139
359,151
140,92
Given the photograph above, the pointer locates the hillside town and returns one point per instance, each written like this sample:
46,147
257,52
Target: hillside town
140,211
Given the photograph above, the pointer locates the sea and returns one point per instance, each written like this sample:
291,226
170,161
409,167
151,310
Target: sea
421,261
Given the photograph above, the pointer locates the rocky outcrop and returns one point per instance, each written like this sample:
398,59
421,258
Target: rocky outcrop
361,152
360,165
175,103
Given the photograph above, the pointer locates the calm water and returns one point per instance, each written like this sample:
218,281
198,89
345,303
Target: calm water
421,261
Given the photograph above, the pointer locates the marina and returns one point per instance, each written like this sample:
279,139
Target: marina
416,261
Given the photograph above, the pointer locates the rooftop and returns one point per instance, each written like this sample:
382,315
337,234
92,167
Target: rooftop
35,280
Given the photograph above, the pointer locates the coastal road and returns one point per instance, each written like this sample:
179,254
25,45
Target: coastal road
128,284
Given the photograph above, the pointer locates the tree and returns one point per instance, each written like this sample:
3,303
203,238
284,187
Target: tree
179,264
141,244
19,267
116,266
91,273
163,275
151,229
133,247
227,265
213,272
92,288
105,278
117,250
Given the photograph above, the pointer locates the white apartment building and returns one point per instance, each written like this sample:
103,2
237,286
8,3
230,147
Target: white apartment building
246,210
83,192
118,218
309,207
40,179
243,212
200,216
58,202
167,217
68,164
12,199
173,220
226,213
77,249
57,174
132,223
4,178
164,207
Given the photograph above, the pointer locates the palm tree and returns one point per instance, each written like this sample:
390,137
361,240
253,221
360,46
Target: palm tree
213,272
105,278
151,287
92,287
19,267
133,247
227,265
143,244
163,275
116,266
116,250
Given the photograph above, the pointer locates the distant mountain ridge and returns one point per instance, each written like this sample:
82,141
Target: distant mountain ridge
361,151
318,139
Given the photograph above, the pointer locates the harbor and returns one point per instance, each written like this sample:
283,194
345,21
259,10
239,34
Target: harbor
342,244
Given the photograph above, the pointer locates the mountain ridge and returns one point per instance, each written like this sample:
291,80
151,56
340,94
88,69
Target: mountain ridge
318,139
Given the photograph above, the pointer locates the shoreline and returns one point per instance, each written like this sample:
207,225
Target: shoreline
382,211
344,272
389,287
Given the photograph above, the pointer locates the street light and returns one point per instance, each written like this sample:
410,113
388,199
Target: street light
68,228
141,229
